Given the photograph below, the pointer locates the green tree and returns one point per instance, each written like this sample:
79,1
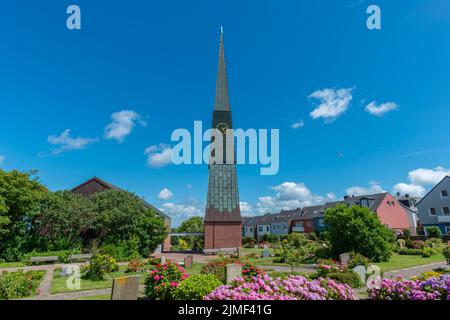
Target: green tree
358,229
20,195
65,220
434,232
194,224
121,215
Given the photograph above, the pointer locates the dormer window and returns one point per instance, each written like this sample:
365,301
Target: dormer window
365,203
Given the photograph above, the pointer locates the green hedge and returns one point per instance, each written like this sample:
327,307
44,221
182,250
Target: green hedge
348,277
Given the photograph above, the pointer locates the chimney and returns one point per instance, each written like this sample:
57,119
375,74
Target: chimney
407,195
398,194
346,197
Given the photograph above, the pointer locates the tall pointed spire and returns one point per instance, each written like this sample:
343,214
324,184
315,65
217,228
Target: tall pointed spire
222,102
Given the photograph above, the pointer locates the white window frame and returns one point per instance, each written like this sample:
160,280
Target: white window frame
433,215
444,197
445,214
447,229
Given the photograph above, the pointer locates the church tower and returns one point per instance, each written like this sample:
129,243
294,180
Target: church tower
223,215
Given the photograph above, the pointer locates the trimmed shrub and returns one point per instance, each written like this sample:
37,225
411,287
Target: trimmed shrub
410,252
196,287
348,277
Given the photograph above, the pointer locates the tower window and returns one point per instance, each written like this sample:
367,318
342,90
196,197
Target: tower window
432,211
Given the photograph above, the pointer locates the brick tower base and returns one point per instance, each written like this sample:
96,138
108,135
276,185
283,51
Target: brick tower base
219,235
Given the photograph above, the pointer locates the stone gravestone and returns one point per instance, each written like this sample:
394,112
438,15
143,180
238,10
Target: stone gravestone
256,246
240,252
125,288
265,253
344,258
233,271
266,246
188,261
361,272
163,259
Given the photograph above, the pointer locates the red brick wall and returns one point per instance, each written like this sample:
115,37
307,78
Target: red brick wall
223,235
395,217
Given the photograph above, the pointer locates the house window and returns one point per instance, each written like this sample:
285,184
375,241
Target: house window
364,203
267,228
447,229
444,193
260,229
432,211
446,211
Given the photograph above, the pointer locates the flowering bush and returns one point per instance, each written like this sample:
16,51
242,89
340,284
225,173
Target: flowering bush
162,282
446,253
98,266
18,284
248,270
264,287
433,288
196,287
136,265
217,268
324,267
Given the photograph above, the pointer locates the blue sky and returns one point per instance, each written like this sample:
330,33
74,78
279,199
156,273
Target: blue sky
151,65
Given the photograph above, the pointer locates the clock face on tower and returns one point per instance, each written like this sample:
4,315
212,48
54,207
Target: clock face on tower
222,127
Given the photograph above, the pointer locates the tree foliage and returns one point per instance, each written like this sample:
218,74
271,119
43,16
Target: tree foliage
358,229
33,218
194,224
20,196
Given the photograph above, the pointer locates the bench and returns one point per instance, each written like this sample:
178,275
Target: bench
83,257
43,259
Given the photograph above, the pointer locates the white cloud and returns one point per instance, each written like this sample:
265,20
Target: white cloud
2,158
290,195
67,143
411,189
189,186
122,124
246,209
359,191
379,110
332,103
298,124
428,176
165,194
181,212
159,156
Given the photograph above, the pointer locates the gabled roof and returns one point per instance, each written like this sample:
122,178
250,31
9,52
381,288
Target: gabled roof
110,186
429,192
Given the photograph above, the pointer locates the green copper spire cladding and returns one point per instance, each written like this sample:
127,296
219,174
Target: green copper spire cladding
222,204
222,102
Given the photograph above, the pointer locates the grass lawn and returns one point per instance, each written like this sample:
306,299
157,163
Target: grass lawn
11,265
59,283
195,269
405,261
